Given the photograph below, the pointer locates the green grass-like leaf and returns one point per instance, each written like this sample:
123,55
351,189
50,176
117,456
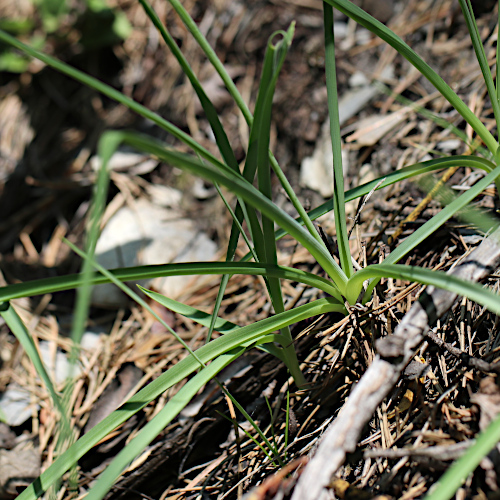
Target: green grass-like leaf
245,190
436,222
151,430
69,282
338,172
399,175
456,475
258,160
209,320
379,29
472,291
18,328
468,13
110,92
243,337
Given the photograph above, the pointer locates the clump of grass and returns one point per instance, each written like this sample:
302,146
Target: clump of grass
256,209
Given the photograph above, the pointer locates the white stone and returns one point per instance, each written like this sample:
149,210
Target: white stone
15,405
147,234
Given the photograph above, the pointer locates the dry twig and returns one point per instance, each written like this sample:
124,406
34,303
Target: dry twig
395,351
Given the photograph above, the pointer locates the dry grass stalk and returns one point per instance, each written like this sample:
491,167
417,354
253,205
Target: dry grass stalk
395,352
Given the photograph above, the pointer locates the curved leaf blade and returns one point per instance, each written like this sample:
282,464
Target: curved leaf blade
439,279
383,32
242,337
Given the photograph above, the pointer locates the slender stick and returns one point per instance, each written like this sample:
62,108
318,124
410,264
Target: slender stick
395,351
